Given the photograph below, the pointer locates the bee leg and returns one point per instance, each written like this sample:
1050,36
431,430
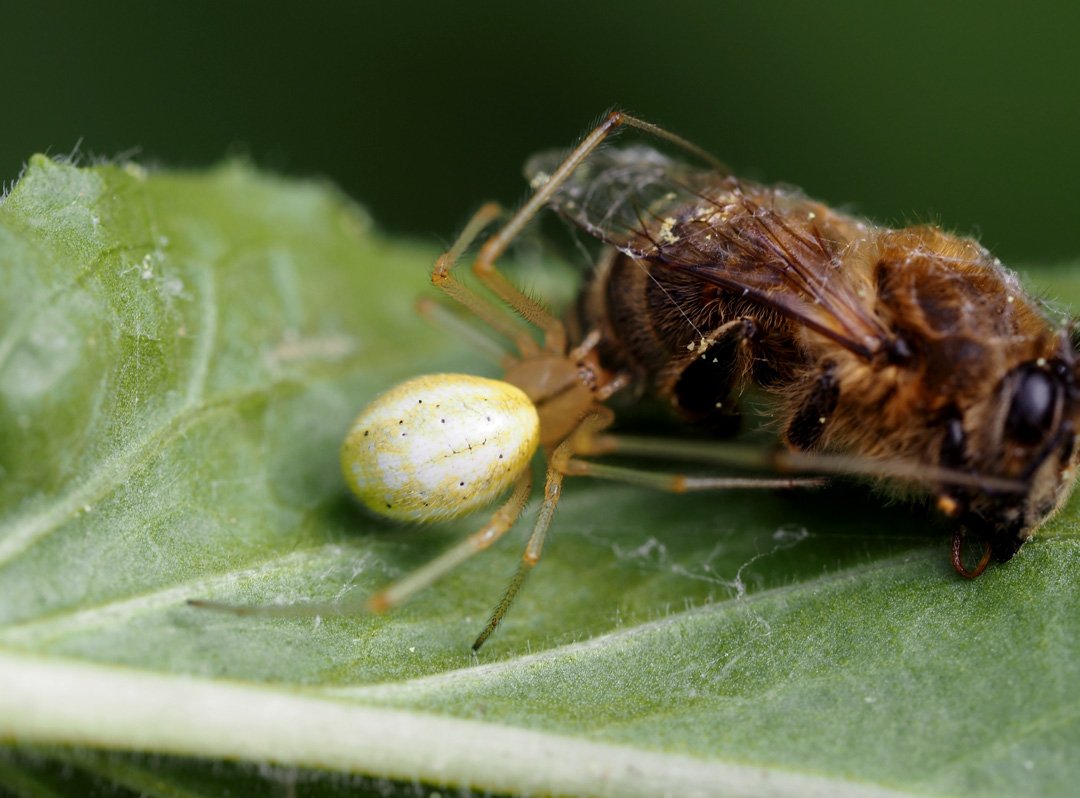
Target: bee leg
706,387
807,427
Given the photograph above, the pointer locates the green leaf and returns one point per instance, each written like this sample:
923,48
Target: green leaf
180,354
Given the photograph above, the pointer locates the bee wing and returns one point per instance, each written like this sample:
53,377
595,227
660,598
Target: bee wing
613,193
758,243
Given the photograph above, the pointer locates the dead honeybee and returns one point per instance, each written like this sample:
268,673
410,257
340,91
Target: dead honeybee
907,355
902,351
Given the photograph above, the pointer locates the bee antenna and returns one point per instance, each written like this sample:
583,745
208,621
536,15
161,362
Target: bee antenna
958,556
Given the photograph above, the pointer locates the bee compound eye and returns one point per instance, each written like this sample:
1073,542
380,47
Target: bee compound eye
1032,409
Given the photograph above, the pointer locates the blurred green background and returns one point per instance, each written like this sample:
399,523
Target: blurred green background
964,114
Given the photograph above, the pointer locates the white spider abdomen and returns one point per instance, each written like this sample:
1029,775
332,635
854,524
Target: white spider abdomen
440,446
